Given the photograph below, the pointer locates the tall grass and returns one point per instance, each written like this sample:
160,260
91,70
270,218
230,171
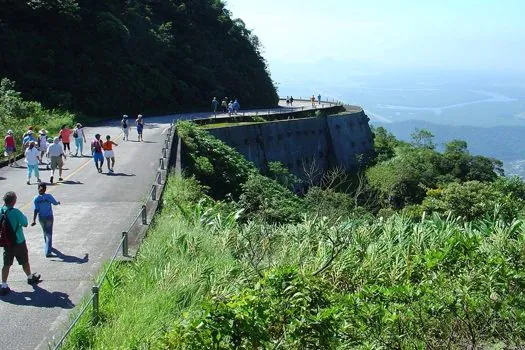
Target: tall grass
395,283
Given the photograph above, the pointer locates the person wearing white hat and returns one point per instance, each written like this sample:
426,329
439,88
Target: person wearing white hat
28,138
56,153
140,127
80,138
10,148
32,160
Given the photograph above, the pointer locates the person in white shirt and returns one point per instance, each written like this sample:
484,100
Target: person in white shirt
80,138
42,145
56,152
32,160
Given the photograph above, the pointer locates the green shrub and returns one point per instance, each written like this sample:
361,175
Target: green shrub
214,164
283,308
265,199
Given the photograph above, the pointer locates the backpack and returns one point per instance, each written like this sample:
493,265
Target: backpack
97,146
7,235
124,124
75,133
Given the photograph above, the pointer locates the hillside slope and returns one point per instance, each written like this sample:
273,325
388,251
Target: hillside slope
106,57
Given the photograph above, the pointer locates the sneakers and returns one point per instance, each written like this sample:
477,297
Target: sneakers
34,279
60,179
100,170
4,291
38,180
28,182
51,179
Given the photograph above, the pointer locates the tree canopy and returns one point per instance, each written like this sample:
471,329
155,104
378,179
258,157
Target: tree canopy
108,57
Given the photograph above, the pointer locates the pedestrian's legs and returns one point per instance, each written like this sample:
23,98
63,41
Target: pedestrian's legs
112,162
29,171
81,146
78,146
37,174
47,229
5,273
107,163
60,171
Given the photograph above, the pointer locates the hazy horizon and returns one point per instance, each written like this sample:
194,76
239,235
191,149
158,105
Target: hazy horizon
449,35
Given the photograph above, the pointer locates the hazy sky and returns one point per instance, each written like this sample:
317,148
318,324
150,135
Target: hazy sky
450,34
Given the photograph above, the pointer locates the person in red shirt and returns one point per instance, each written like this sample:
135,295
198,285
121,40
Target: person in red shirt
65,134
108,153
10,148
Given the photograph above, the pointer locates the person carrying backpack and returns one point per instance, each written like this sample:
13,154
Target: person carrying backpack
42,205
96,151
12,239
124,126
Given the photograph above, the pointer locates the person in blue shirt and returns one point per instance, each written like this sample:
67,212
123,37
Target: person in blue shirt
27,139
43,208
17,221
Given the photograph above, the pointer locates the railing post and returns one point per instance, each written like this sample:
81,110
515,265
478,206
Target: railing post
165,152
161,163
144,218
159,178
166,142
154,192
125,243
95,291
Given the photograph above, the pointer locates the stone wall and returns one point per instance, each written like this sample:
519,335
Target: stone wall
311,143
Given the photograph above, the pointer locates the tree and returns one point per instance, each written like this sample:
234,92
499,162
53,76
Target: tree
423,138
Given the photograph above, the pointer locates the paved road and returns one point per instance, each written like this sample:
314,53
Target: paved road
95,209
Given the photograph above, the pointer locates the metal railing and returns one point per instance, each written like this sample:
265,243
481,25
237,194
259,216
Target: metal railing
123,245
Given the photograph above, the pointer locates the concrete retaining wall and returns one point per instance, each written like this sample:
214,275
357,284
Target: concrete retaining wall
318,143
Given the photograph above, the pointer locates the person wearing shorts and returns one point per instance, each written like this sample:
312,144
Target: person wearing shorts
10,148
55,153
17,221
96,151
140,127
108,153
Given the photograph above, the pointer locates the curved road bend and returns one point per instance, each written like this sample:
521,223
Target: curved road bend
95,209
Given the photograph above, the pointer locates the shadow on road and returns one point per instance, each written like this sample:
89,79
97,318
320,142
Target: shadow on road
119,174
70,182
143,141
39,297
70,258
3,178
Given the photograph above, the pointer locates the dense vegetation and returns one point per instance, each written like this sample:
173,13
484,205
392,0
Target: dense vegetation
107,57
264,268
17,114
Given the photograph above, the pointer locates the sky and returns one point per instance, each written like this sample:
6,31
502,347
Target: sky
477,35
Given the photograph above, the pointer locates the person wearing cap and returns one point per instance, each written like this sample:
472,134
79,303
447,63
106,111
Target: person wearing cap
140,127
125,127
96,151
32,160
10,148
57,156
80,138
28,138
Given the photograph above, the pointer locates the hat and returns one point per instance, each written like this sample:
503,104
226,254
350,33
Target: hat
56,139
29,132
125,116
139,116
79,125
10,132
49,139
42,132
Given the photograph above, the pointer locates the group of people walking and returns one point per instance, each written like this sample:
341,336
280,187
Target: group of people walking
231,107
53,151
12,223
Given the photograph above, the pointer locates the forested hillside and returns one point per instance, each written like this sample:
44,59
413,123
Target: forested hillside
108,57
